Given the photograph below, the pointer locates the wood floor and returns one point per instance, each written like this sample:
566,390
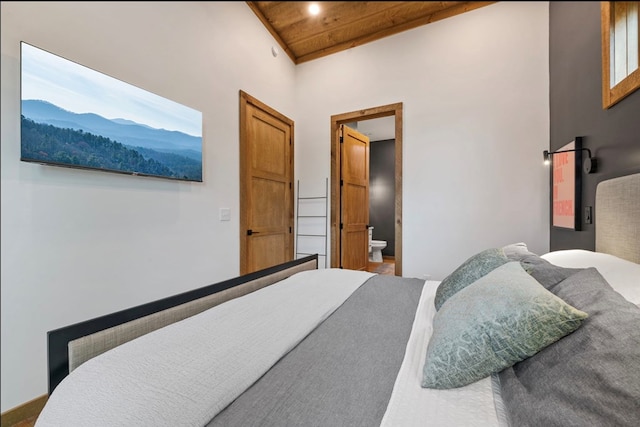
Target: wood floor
29,422
386,267
24,415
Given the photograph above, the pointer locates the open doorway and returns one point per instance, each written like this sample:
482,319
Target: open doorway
381,133
391,110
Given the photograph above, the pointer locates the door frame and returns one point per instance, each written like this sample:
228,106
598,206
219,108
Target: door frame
356,116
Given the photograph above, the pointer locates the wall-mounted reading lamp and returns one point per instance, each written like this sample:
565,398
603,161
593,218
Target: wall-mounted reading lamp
589,165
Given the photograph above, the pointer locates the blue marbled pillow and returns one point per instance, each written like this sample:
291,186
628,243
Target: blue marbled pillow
467,273
502,318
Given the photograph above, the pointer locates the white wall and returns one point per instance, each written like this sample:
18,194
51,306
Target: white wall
77,244
475,93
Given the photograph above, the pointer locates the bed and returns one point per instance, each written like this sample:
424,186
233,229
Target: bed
509,338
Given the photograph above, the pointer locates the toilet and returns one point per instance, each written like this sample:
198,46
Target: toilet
375,247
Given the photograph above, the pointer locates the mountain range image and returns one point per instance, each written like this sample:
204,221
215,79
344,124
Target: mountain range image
50,134
123,131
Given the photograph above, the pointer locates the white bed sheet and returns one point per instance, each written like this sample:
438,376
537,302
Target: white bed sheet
622,275
411,405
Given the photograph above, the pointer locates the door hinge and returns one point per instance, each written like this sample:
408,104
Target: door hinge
341,226
341,183
289,230
341,140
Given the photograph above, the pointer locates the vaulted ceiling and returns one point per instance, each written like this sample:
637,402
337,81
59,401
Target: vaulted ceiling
341,25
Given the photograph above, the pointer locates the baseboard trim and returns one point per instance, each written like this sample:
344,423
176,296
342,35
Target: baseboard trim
23,412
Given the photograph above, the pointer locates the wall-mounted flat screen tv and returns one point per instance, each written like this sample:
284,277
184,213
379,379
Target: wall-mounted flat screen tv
76,117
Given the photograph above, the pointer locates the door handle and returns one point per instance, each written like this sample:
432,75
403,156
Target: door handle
250,232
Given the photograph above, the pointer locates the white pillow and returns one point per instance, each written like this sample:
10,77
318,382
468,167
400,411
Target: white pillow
622,275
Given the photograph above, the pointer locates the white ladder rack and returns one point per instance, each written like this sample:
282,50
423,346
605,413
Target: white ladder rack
314,215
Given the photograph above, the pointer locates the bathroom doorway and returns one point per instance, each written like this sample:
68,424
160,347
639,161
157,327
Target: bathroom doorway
381,133
360,117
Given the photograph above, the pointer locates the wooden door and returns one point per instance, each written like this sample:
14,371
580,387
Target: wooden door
336,177
354,194
266,193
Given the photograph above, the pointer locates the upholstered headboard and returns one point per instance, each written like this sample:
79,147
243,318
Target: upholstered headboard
618,217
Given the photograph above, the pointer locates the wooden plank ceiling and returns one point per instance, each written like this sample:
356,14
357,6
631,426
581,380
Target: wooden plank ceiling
341,25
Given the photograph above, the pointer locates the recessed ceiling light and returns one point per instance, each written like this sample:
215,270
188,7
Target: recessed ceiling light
314,9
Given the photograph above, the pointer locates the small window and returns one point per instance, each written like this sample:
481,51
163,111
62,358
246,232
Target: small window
620,50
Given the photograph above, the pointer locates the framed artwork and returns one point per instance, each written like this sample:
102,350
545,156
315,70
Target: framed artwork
76,117
566,186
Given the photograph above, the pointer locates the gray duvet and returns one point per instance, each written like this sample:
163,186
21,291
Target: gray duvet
343,373
591,377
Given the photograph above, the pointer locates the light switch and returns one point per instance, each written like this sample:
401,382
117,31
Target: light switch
225,214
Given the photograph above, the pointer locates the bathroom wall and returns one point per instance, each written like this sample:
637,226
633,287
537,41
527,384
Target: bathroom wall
382,193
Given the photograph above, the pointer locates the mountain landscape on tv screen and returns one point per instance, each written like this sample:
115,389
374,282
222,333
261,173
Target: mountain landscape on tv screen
54,135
